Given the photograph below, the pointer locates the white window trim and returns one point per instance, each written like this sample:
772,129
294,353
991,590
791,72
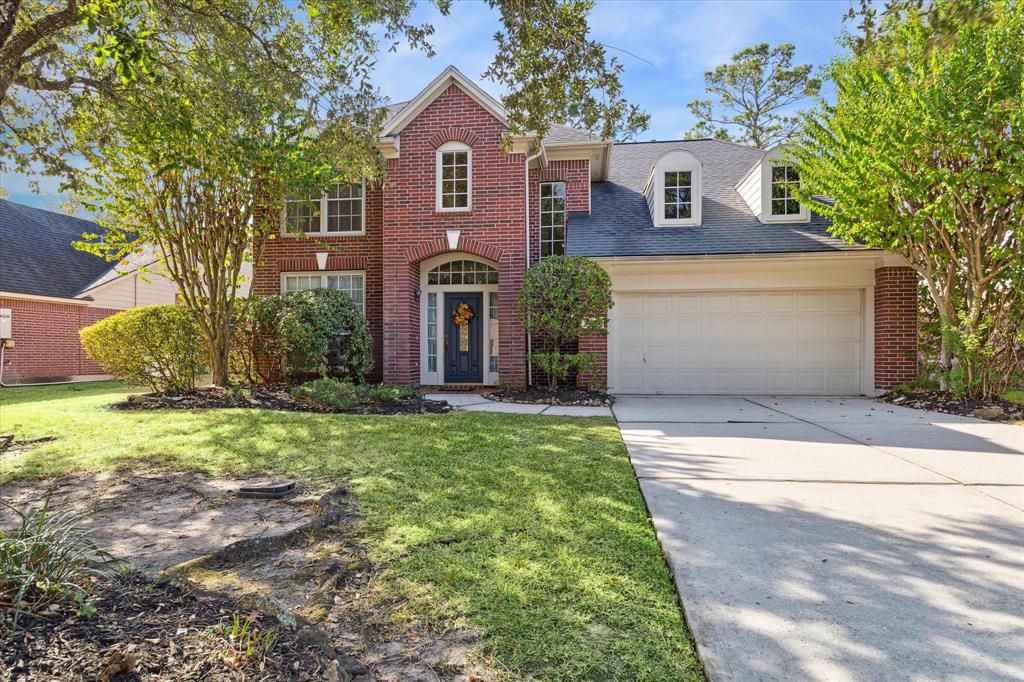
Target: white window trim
674,162
437,378
323,219
541,212
323,274
453,147
774,158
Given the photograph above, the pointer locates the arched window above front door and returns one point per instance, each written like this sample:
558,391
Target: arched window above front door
463,272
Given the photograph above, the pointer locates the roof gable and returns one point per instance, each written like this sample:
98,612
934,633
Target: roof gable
401,117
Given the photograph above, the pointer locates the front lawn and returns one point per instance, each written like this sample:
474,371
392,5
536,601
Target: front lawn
556,563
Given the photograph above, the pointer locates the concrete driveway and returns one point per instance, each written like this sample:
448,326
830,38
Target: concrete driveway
837,539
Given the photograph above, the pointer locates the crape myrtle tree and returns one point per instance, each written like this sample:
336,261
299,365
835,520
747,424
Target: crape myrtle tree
923,155
253,101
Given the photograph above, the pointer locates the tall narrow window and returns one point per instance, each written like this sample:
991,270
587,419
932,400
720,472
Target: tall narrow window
431,332
552,219
454,177
785,182
492,321
678,195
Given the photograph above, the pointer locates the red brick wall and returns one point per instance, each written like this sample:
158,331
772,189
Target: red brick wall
353,252
46,340
598,378
576,176
895,326
413,228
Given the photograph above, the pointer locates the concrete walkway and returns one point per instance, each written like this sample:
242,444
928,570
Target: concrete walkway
474,402
834,539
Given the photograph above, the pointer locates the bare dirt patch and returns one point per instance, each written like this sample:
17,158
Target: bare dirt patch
294,564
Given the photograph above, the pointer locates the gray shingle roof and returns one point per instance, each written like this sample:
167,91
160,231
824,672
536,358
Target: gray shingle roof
560,133
620,222
36,255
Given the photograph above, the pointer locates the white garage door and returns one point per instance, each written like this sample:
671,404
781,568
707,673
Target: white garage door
786,342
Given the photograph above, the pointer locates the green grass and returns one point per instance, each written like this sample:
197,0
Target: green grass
557,564
1014,396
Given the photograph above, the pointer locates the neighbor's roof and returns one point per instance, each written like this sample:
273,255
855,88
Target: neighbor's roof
619,223
37,256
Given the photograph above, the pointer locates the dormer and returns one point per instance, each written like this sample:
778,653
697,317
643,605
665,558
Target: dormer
769,188
673,190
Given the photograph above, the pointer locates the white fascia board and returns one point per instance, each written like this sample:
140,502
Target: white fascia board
450,75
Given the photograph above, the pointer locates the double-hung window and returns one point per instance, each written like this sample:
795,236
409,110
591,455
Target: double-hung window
552,219
678,195
454,177
340,210
352,283
785,181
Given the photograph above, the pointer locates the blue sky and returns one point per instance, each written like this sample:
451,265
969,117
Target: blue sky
675,42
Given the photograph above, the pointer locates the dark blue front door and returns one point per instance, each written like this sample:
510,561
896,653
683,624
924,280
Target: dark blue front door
463,344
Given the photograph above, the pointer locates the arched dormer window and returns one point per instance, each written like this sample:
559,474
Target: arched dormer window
454,177
770,189
674,190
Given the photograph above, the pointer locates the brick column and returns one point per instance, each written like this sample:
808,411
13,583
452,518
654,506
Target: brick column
895,326
511,335
598,378
401,321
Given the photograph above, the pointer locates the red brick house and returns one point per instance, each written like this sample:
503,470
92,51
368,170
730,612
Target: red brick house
723,282
49,291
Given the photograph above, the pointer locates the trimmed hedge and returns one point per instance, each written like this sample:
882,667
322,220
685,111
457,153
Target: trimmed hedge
159,345
299,335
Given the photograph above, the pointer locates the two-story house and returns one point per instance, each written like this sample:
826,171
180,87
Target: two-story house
724,282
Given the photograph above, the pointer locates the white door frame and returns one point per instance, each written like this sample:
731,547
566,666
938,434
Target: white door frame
436,378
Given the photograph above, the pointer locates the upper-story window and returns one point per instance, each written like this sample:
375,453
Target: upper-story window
673,190
454,177
678,195
552,219
340,210
785,181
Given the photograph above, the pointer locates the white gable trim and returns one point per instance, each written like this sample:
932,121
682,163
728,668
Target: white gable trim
449,76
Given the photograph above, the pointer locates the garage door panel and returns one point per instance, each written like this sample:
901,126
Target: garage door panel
798,342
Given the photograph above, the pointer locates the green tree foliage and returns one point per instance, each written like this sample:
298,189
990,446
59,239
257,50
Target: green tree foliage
196,165
55,53
301,333
158,345
754,92
923,154
563,298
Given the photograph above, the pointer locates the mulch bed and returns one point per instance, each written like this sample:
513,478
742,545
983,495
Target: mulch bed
942,401
274,397
567,395
149,630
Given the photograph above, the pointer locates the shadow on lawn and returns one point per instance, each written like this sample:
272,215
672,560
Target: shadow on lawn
552,558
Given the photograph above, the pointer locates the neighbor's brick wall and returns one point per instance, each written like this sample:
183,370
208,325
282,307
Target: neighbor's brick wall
414,230
287,253
895,326
46,340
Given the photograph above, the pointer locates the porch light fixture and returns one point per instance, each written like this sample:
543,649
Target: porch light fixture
453,239
321,260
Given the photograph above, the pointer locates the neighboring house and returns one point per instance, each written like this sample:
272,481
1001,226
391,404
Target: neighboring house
723,282
49,291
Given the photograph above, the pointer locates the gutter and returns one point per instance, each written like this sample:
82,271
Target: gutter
526,186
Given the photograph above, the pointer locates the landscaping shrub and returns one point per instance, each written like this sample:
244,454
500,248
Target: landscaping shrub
563,298
344,394
159,345
46,559
329,393
304,333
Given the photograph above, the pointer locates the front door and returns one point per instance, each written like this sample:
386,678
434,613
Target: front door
463,338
